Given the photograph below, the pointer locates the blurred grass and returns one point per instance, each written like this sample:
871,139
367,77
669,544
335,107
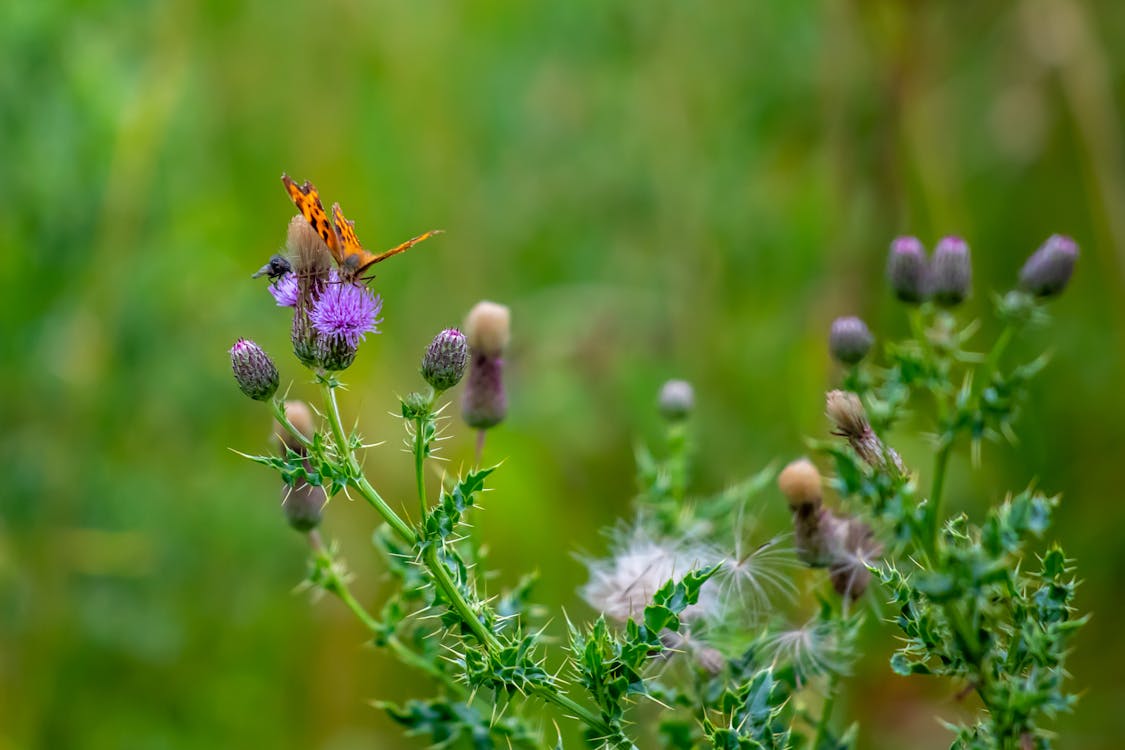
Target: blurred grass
655,188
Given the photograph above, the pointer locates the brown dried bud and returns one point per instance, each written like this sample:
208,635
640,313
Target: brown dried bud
800,483
488,328
856,548
845,410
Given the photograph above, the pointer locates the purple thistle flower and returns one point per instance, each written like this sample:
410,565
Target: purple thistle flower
345,313
286,290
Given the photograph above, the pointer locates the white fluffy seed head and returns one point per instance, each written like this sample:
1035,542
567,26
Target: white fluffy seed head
622,586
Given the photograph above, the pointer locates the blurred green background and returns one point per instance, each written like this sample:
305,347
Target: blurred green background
656,189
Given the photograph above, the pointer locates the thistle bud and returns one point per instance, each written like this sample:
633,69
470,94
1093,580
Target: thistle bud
300,416
800,483
445,360
254,371
951,272
677,399
1047,271
849,340
303,505
907,269
488,328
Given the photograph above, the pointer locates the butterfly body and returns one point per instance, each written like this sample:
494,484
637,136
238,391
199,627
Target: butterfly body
339,234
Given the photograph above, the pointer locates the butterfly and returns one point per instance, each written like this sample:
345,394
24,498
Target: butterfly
339,234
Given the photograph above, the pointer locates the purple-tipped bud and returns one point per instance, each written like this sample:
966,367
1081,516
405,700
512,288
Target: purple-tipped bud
1047,271
849,340
445,360
907,270
951,272
303,505
485,404
677,400
254,371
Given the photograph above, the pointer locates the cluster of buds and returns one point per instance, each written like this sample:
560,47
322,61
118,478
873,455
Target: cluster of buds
488,331
302,503
947,277
842,544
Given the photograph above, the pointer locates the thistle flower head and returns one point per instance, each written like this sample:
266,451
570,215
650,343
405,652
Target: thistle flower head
677,399
1048,270
849,340
342,316
622,586
444,362
951,271
254,371
907,270
286,290
488,328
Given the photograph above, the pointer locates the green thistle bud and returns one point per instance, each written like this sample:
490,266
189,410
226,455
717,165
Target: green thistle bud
254,371
1047,271
677,400
951,272
445,360
849,340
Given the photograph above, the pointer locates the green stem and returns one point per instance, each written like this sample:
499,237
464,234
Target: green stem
941,464
344,451
826,711
278,408
442,579
337,586
419,464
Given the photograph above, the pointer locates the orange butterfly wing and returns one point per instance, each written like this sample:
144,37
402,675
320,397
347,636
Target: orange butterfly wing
352,255
355,257
308,203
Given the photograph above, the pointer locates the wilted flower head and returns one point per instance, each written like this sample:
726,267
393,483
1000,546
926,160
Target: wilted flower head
907,269
311,258
622,586
254,371
488,328
846,412
855,548
445,360
849,340
286,290
951,271
1047,271
677,399
799,481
